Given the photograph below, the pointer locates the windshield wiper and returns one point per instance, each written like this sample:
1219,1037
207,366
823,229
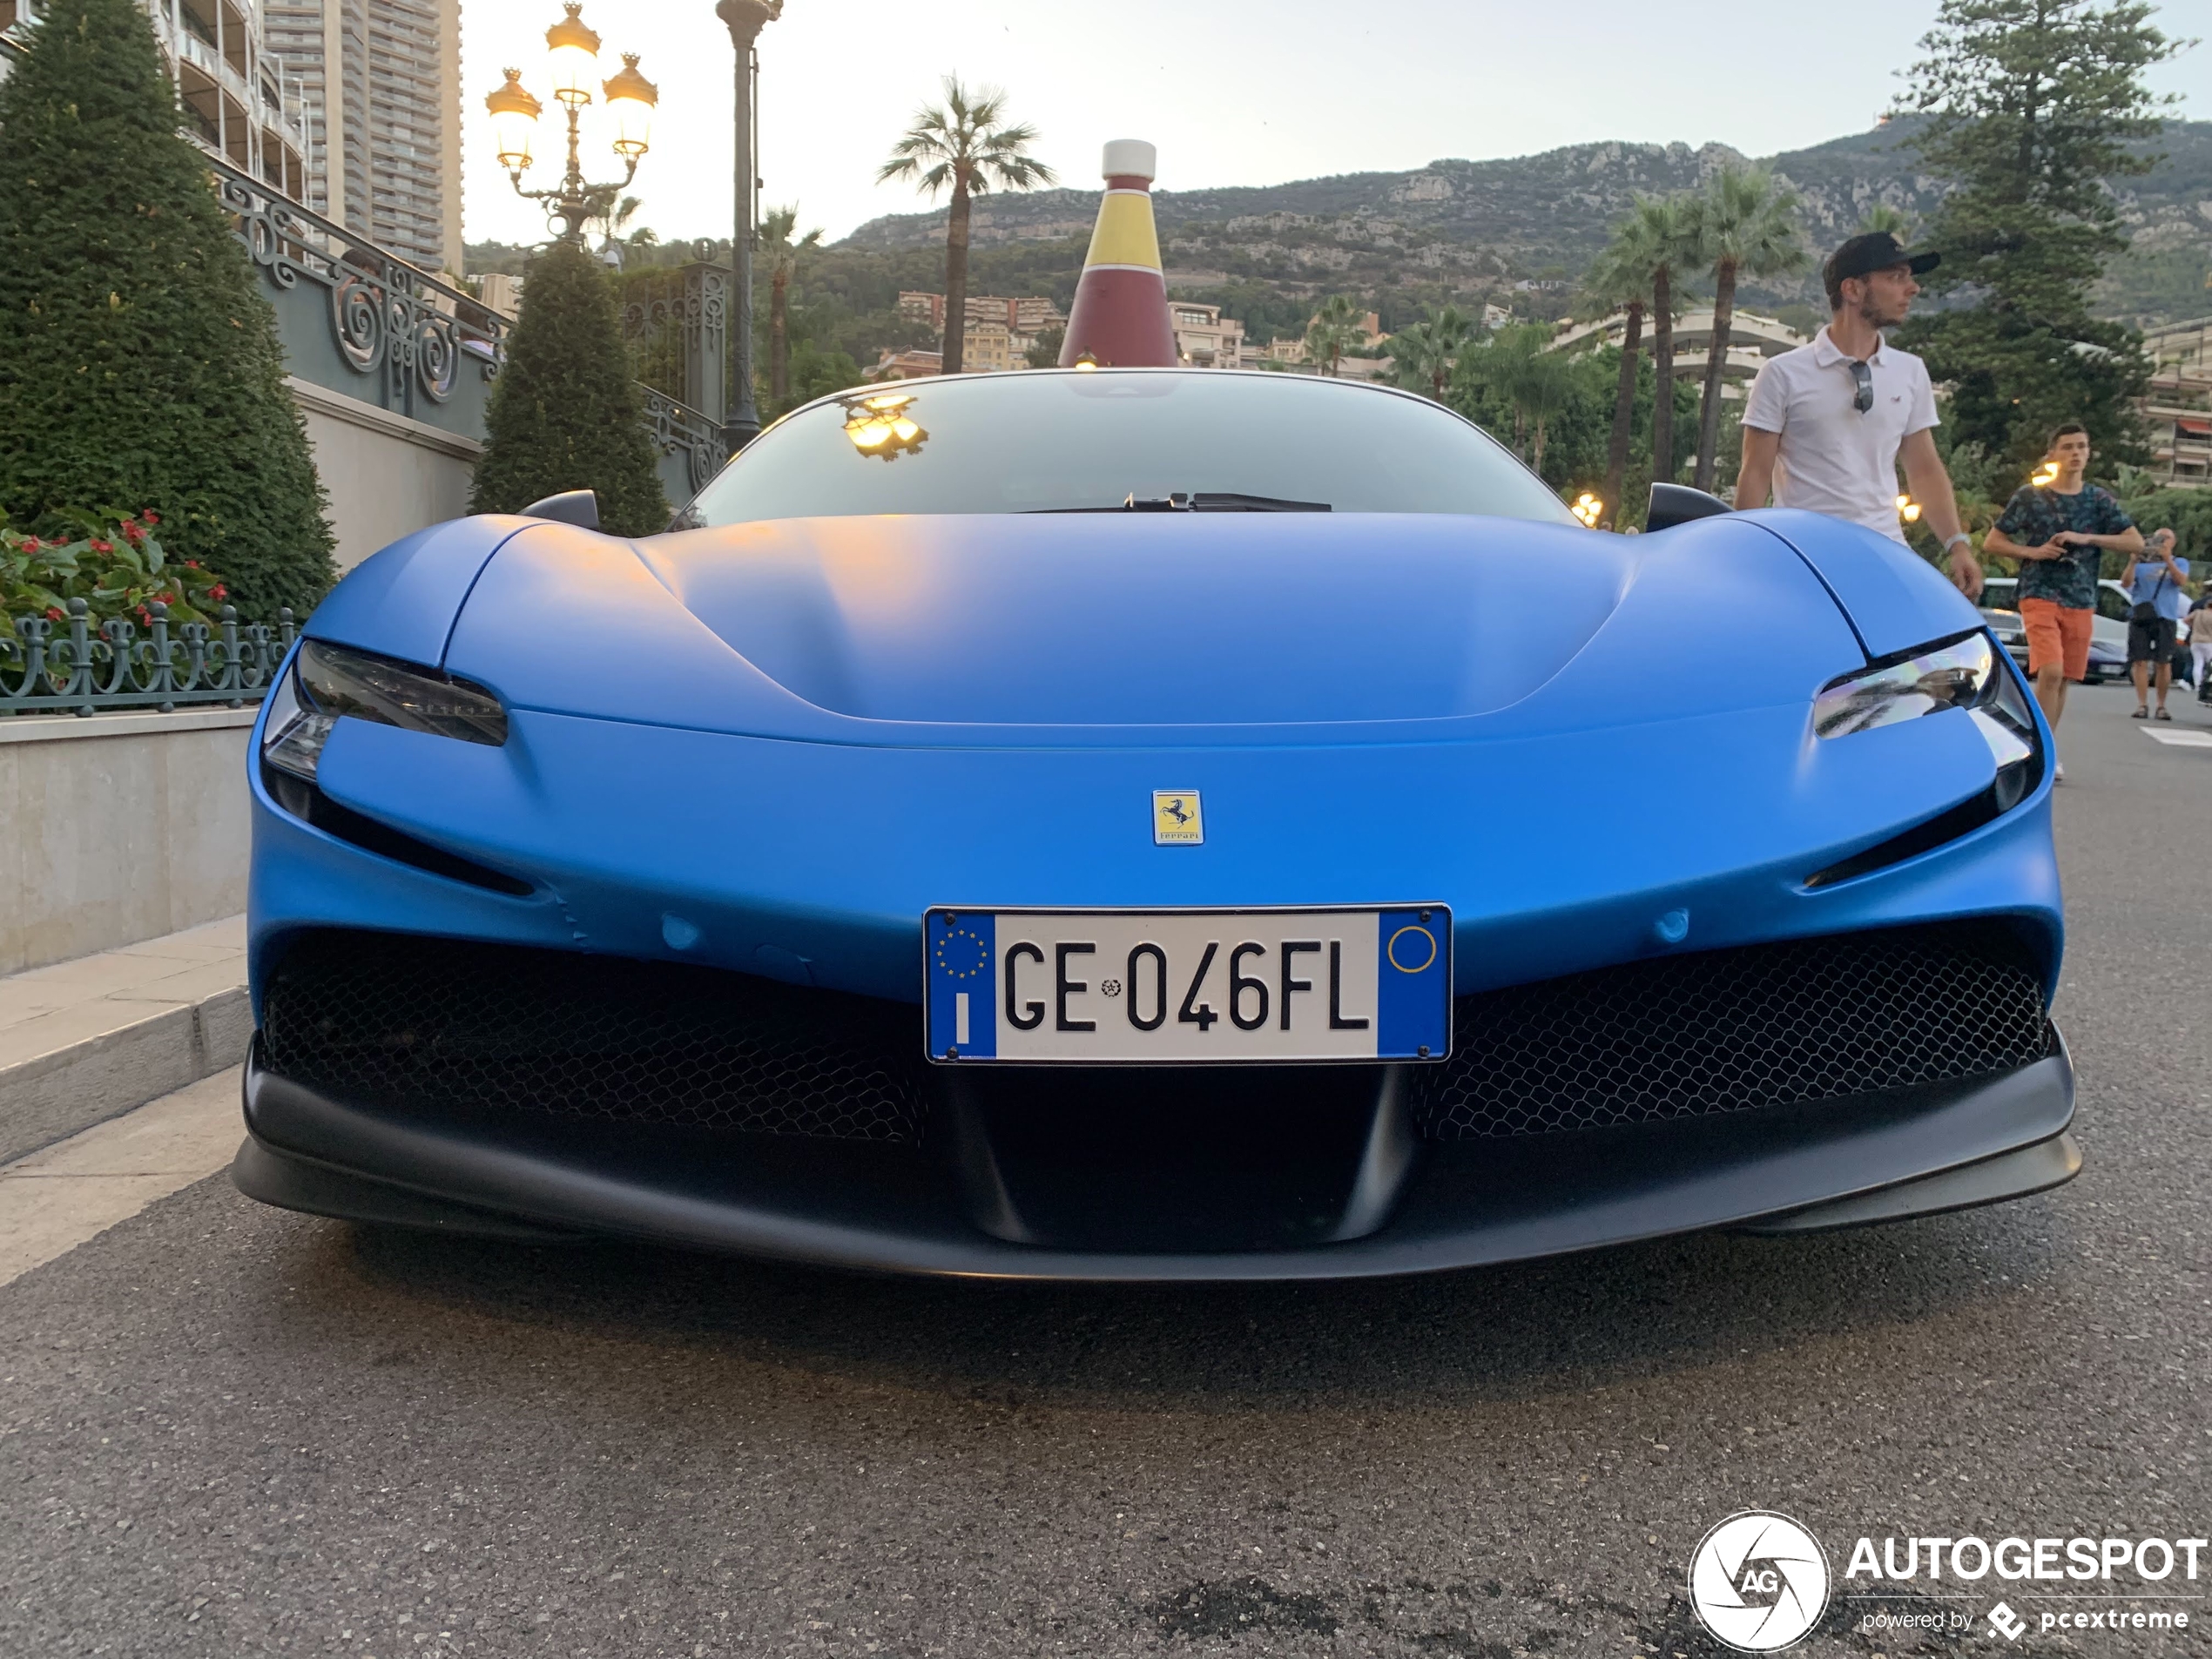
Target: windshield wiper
1219,501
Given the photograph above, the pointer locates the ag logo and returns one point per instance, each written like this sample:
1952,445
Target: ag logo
1758,1582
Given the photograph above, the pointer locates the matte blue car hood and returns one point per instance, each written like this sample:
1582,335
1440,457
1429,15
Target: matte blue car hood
977,629
1149,619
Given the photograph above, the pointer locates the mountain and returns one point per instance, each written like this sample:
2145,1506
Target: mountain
1531,223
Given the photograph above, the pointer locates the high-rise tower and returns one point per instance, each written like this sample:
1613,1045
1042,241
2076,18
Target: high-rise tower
382,85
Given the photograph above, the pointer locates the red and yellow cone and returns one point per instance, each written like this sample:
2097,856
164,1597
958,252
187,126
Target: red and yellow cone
1120,318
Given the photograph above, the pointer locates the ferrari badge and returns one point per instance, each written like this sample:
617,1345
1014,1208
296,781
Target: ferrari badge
1175,817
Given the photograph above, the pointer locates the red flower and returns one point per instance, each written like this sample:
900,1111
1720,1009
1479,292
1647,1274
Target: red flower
33,544
133,531
53,613
191,564
152,518
219,591
99,546
166,597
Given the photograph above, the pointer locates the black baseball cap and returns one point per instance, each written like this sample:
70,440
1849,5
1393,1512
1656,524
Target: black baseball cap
1877,250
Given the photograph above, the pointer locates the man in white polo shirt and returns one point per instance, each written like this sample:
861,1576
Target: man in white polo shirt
1827,423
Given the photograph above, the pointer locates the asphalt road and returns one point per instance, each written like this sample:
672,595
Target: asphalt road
225,1430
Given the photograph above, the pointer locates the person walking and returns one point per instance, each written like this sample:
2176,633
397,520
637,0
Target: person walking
2159,602
1827,423
2200,646
2060,532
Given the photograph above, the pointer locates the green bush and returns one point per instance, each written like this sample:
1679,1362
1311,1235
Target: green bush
564,413
139,362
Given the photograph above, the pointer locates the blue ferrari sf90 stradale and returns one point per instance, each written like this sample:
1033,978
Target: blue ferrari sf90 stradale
1149,824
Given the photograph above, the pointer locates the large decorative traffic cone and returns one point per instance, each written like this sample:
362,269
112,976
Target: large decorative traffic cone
1120,319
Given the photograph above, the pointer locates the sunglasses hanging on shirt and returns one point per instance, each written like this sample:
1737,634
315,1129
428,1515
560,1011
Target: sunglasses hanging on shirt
1863,378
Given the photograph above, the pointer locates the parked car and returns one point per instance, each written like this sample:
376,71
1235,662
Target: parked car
1148,824
2108,628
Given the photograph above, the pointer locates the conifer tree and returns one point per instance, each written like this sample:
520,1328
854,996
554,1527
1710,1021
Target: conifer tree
564,413
2034,105
139,365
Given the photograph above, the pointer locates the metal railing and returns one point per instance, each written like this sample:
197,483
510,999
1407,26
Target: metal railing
73,667
690,445
362,321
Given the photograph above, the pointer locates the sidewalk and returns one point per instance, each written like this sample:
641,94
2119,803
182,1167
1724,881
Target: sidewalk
56,1199
85,1041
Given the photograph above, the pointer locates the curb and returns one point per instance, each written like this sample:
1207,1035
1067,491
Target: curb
51,1096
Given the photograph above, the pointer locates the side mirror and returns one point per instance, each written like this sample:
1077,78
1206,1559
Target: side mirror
1673,504
577,507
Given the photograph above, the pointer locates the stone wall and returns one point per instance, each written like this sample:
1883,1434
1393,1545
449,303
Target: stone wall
117,828
387,475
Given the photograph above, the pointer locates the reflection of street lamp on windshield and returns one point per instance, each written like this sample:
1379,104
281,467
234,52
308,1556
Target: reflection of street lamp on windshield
1588,510
1908,509
573,48
881,426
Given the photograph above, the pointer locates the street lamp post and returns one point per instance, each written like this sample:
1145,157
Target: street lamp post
574,47
746,18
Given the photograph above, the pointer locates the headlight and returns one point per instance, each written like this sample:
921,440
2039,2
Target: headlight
1953,675
328,683
1960,673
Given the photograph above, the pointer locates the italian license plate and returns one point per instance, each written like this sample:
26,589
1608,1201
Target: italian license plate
1189,987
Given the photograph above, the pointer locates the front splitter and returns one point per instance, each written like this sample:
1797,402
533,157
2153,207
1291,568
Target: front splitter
1837,1163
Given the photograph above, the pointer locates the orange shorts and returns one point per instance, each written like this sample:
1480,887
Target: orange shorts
2056,633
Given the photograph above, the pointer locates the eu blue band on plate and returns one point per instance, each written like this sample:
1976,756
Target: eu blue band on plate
962,967
1412,984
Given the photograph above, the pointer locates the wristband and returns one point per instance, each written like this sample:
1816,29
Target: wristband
1956,540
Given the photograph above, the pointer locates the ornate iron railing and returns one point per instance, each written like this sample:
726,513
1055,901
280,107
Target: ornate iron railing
674,324
70,667
428,350
689,443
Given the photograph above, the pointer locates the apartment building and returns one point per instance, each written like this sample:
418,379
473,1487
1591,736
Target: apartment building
1205,339
235,97
381,80
2178,411
1030,315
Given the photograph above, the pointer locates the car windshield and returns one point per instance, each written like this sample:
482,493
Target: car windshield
1106,440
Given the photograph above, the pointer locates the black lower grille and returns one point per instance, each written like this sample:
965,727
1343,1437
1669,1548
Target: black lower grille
385,1019
442,1025
1728,1030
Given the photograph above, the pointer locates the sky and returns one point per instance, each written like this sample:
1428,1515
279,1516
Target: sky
1233,92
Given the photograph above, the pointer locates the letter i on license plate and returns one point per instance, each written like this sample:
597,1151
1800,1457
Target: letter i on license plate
1188,987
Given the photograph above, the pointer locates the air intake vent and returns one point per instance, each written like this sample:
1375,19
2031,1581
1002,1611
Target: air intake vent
1731,1030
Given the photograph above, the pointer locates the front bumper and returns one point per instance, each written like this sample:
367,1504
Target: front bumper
1837,1163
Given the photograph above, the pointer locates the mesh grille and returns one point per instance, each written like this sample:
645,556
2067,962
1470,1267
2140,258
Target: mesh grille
1728,1030
387,1019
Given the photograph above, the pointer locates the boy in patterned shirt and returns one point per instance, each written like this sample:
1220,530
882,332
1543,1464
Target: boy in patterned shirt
2059,532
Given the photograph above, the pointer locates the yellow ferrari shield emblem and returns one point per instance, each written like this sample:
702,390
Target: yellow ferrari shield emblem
1175,817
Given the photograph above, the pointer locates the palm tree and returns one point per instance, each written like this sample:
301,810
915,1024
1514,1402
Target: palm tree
780,255
1516,365
1747,226
1881,216
1539,387
1426,351
1621,280
617,215
1335,329
1667,232
961,146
